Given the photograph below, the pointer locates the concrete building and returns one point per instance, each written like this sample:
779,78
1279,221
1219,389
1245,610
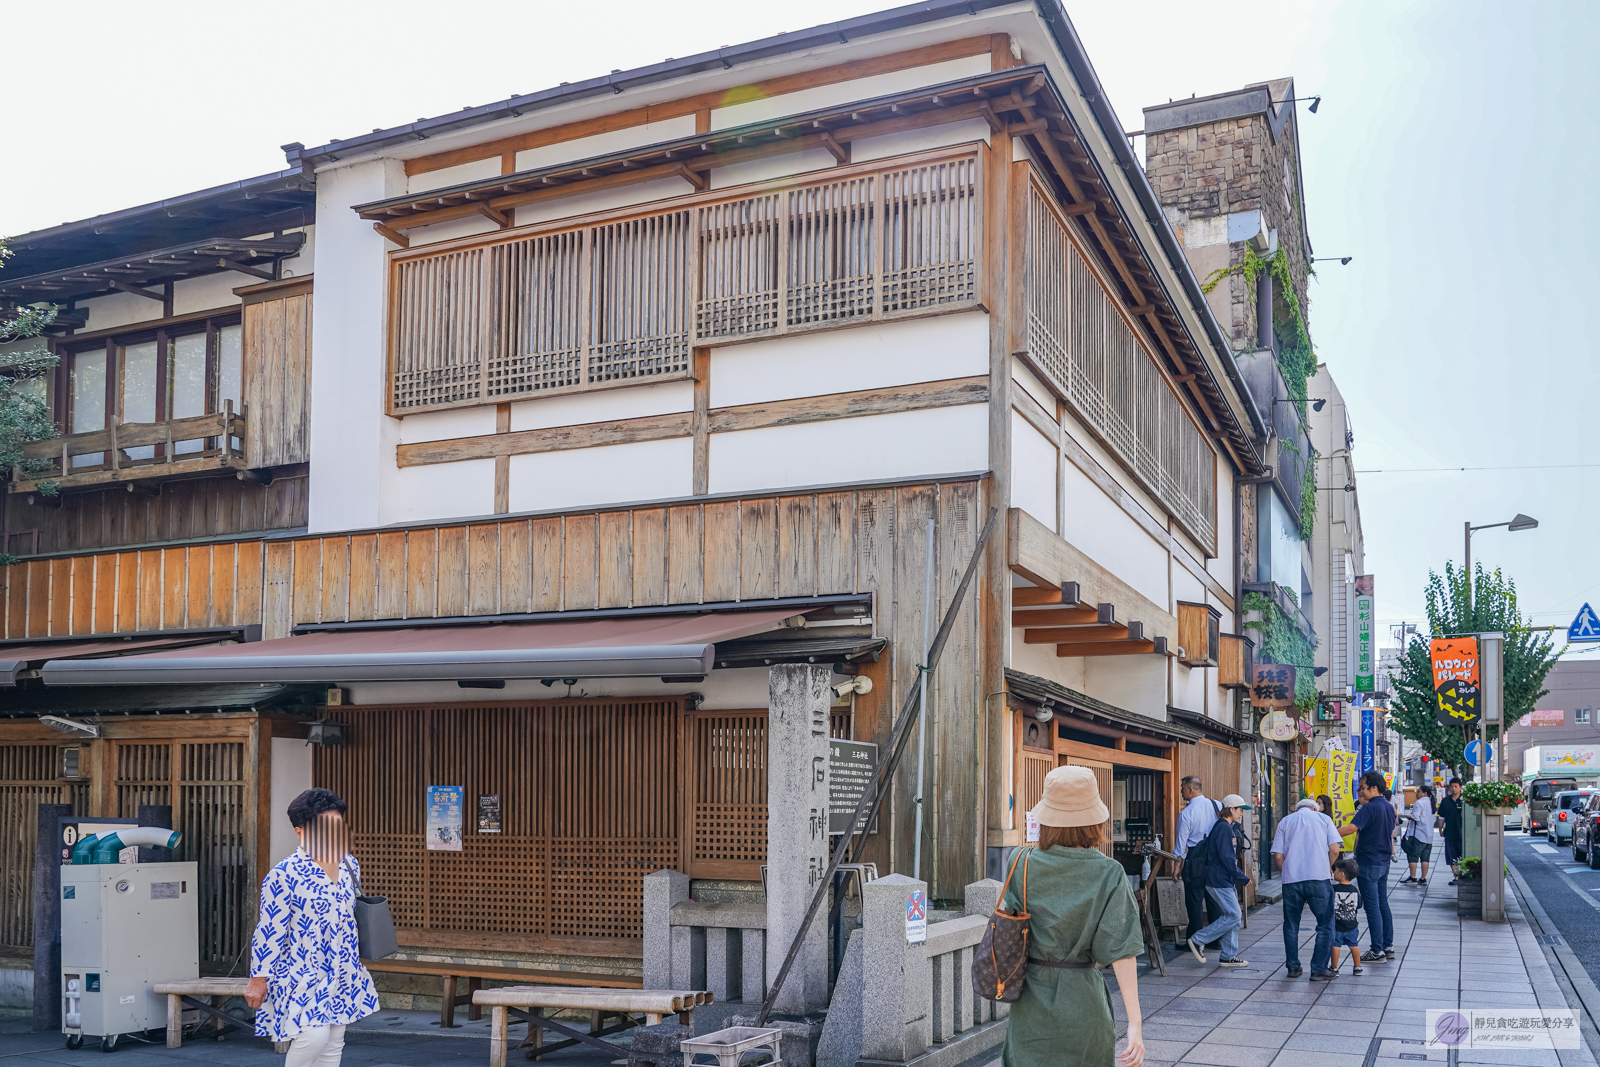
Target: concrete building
1566,715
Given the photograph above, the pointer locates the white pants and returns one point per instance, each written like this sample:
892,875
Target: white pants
320,1046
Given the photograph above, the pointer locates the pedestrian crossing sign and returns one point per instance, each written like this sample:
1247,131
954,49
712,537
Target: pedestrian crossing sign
1586,627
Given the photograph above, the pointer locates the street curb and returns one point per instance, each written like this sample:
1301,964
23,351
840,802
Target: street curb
1563,962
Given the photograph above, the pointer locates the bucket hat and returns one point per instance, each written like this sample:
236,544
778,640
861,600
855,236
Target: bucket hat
1071,798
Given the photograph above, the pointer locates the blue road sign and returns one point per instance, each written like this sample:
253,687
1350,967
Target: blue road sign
1586,627
1475,752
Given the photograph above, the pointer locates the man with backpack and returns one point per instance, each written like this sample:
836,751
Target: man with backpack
1199,815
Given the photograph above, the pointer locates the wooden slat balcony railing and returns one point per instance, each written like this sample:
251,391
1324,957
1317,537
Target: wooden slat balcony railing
218,436
622,299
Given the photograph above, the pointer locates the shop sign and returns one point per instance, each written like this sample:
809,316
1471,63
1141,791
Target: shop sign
1272,686
1455,679
1364,657
1547,717
850,768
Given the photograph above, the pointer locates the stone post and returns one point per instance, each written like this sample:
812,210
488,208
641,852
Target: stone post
662,890
982,897
896,979
797,830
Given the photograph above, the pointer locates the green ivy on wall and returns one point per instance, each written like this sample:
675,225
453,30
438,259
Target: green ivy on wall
1280,641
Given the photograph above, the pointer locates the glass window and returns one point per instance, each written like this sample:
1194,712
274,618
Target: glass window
1541,791
1582,716
139,391
88,399
187,386
230,367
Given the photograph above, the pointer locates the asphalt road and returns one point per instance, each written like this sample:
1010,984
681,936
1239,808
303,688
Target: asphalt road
1568,891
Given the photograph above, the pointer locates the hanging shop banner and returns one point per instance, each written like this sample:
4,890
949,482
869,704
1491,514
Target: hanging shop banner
1455,679
445,817
1342,785
1272,685
1277,725
1364,649
1369,740
488,813
1316,777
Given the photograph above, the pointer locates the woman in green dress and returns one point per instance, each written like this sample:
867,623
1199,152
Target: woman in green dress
1083,917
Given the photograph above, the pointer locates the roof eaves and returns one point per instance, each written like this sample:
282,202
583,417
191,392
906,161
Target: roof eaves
1032,687
619,82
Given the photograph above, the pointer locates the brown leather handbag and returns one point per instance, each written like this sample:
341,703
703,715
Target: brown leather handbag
1002,958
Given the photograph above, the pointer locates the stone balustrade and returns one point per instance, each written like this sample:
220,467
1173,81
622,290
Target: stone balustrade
694,945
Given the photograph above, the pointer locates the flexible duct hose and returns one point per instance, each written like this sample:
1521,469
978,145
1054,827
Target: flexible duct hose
103,847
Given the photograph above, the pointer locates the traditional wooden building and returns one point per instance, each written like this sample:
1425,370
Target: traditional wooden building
625,391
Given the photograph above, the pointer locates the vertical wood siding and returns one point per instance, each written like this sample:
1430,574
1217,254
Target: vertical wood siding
277,381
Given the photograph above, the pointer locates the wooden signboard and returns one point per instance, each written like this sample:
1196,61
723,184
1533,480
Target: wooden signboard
1455,679
1272,685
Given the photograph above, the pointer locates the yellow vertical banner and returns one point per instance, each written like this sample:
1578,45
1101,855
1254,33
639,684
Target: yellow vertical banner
1341,787
1316,778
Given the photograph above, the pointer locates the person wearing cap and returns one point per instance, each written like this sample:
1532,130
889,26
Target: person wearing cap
1306,844
1082,917
1223,879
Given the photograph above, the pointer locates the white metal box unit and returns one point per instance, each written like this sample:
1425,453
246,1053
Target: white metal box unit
125,927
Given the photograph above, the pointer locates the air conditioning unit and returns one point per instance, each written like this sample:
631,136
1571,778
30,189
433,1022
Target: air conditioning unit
73,765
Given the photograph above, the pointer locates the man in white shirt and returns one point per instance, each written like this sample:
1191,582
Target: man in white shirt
1306,845
1199,815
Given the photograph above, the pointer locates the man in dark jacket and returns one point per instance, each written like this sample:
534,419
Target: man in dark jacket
1223,880
1451,810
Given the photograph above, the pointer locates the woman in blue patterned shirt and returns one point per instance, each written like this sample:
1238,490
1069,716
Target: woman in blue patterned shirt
306,978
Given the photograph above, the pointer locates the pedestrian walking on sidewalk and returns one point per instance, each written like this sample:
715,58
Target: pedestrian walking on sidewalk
1373,826
1450,812
306,978
1417,841
1346,906
1223,881
1083,916
1194,823
1305,845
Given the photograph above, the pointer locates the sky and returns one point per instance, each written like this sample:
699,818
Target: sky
1452,156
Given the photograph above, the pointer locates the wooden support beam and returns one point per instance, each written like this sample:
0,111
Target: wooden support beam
124,287
996,123
499,218
1106,648
392,235
840,153
1025,596
233,264
1073,210
1081,615
701,182
1022,129
1056,635
1137,310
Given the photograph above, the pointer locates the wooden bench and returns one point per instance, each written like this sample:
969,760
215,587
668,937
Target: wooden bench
451,973
599,1002
214,989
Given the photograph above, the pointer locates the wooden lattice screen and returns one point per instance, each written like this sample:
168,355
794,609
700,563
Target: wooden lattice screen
28,778
1217,765
594,795
1077,338
624,299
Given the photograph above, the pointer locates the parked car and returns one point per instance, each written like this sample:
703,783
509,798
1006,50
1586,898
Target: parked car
1565,807
1518,815
1539,793
1584,846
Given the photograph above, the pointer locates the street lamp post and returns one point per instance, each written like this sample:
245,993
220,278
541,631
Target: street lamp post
1521,522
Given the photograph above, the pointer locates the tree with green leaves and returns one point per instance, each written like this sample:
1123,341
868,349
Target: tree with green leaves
1454,609
24,412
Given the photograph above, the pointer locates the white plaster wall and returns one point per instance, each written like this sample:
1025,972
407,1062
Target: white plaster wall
1112,466
610,474
867,357
1221,568
439,491
298,266
724,690
1133,683
1190,687
352,440
1043,661
1186,587
291,776
449,231
1032,385
1100,528
1033,471
444,425
477,170
870,448
760,170
205,293
601,144
568,207
894,144
119,309
844,92
629,402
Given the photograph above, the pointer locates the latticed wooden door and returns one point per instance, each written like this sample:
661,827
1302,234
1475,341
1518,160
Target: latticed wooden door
28,778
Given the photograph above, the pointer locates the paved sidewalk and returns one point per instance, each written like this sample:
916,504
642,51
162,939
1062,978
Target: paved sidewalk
1257,1017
